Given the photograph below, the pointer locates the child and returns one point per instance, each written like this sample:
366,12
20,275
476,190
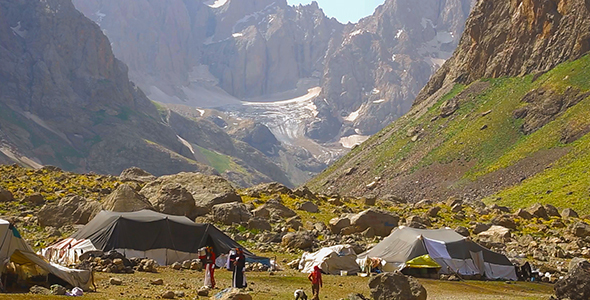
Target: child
316,282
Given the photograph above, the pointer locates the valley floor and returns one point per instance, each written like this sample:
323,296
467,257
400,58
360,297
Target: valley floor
281,286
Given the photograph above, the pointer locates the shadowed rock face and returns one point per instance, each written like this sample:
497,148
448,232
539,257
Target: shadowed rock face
509,38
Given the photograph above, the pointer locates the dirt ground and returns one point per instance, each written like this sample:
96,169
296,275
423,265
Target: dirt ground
262,285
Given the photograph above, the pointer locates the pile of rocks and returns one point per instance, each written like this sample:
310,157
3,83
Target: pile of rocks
195,264
115,262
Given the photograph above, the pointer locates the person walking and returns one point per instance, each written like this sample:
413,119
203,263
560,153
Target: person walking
209,260
239,278
316,282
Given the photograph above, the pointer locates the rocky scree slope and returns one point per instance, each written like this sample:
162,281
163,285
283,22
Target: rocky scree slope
48,203
67,101
512,140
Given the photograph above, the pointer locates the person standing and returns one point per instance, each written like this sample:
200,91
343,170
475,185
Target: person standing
316,282
239,278
209,260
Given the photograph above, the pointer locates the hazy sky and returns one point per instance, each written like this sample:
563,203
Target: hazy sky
345,10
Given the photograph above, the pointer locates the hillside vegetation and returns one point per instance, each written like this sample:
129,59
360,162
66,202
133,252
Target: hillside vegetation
511,140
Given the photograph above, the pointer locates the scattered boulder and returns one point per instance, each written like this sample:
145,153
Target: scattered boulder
259,224
268,189
552,211
5,195
176,266
203,291
480,227
261,212
433,211
168,295
232,294
336,224
207,190
158,281
126,199
115,281
396,286
297,240
137,174
462,231
72,209
496,234
580,229
304,192
504,221
539,211
418,222
369,233
294,222
147,265
381,222
308,206
35,199
277,209
173,199
523,214
228,213
576,284
457,208
569,213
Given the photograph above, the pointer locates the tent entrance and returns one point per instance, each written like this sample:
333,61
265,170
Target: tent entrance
422,266
22,273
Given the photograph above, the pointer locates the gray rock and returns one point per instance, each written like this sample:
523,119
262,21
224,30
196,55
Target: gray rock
336,224
552,211
433,211
126,199
72,209
268,189
576,284
294,222
173,199
115,281
580,229
5,195
137,174
158,281
569,213
539,211
382,222
58,290
396,286
228,213
207,190
277,209
35,199
308,206
168,295
418,222
261,212
304,192
505,221
462,231
480,227
297,240
523,214
259,224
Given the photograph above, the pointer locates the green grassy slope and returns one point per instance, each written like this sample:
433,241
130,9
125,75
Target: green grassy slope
484,135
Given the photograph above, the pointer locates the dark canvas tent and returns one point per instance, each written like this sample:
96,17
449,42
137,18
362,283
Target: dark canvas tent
453,252
164,238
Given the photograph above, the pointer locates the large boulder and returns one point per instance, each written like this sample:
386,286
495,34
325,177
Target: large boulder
268,189
72,209
136,174
304,192
5,195
569,213
173,199
539,211
576,284
496,234
298,240
229,213
504,221
396,286
580,229
381,222
207,190
308,206
126,199
337,224
259,224
232,294
277,209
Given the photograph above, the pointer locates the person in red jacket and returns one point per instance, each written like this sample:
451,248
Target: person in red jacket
316,282
209,261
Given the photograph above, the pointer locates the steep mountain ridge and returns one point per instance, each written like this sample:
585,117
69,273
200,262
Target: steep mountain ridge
509,140
65,100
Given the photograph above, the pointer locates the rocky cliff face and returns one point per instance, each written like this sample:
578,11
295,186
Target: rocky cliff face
504,119
65,100
375,70
510,38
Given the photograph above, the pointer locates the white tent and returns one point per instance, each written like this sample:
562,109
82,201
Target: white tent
13,249
331,260
67,251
